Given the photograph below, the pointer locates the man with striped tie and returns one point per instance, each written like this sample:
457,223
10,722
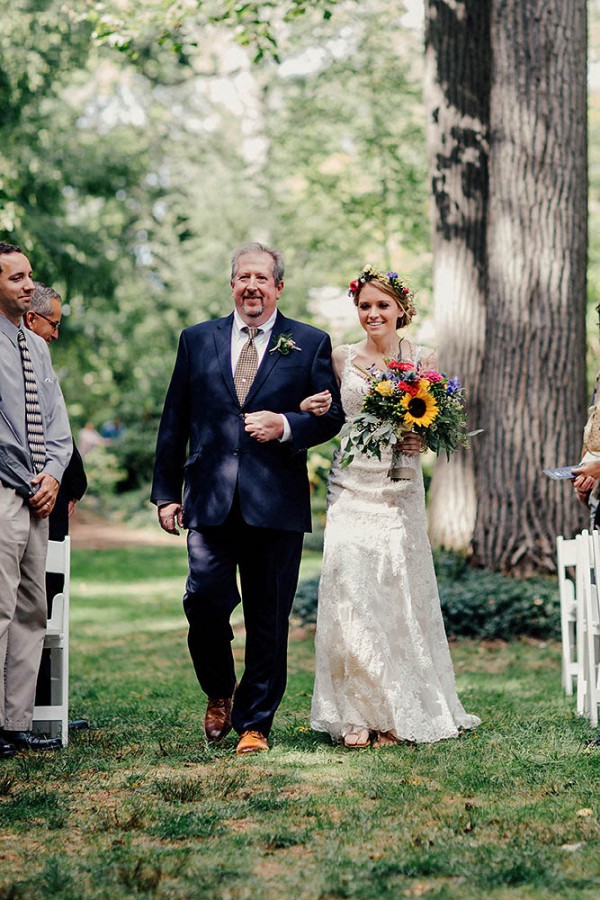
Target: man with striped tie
35,447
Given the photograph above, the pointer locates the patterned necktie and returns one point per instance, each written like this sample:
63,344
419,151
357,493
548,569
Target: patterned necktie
33,413
247,365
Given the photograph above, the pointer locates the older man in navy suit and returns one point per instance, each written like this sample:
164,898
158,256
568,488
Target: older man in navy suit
233,433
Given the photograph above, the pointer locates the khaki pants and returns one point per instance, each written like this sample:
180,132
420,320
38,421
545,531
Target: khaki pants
23,548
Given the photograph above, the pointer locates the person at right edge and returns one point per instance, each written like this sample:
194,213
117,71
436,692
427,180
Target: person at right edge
586,483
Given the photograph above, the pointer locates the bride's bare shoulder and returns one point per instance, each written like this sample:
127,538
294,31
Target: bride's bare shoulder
342,351
338,358
345,353
356,351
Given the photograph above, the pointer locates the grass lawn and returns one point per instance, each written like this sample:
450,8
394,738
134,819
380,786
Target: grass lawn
140,806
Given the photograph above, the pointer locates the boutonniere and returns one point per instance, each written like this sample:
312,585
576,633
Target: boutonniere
284,344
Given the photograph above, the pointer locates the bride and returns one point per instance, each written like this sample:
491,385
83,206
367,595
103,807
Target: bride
383,667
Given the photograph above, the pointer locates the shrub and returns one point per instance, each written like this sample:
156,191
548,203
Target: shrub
478,603
305,601
103,471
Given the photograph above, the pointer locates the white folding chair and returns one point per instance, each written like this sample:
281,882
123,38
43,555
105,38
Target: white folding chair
566,551
592,635
54,718
584,583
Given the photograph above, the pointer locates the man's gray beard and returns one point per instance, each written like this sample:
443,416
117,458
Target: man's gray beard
253,313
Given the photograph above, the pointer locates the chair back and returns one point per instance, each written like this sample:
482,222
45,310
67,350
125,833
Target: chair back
58,561
567,552
54,717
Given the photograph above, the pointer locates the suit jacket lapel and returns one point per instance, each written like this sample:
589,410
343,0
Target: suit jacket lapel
223,348
269,360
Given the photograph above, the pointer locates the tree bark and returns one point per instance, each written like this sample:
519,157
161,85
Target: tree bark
457,89
533,394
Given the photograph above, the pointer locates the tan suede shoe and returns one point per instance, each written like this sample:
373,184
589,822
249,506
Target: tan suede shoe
252,742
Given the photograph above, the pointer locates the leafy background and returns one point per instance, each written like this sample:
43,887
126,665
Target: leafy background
141,145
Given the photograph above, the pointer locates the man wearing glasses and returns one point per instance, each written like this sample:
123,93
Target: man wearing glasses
43,318
45,312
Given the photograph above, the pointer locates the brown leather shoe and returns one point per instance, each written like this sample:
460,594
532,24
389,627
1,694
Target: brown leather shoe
252,742
217,721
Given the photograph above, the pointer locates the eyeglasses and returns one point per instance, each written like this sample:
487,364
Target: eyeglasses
55,325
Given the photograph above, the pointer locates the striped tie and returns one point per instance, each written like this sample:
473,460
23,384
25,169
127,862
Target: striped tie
247,365
33,413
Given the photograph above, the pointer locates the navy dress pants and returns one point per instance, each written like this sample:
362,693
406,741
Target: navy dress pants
268,562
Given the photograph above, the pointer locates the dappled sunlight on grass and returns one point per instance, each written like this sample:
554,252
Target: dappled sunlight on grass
140,804
171,586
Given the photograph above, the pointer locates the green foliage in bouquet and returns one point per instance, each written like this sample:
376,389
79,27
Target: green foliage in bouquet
407,397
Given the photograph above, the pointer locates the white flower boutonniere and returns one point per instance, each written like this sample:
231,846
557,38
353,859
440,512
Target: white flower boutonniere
284,344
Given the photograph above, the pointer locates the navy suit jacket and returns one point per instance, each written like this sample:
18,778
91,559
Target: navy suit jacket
72,487
202,443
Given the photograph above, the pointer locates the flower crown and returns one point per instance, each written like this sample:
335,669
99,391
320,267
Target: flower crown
403,294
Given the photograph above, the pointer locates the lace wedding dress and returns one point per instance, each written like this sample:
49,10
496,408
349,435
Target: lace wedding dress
382,657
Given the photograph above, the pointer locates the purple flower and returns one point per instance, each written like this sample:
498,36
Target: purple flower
411,377
392,274
453,385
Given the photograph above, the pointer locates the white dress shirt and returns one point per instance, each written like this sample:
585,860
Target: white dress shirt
16,468
239,337
261,342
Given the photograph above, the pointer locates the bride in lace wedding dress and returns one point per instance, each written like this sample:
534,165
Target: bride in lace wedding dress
383,667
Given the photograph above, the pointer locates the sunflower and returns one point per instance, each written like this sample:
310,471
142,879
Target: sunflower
420,409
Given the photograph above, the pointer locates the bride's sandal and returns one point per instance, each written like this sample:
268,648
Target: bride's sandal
385,739
356,740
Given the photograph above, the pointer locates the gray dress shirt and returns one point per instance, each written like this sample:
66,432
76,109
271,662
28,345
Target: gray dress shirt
16,468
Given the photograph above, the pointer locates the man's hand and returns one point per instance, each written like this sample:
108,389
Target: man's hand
170,516
42,502
264,426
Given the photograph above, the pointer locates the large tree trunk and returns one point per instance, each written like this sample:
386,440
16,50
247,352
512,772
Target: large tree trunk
534,379
457,95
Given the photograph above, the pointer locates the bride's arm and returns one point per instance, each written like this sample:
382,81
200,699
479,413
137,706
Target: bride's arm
319,404
337,361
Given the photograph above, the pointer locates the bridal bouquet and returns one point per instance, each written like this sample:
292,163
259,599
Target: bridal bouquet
406,397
